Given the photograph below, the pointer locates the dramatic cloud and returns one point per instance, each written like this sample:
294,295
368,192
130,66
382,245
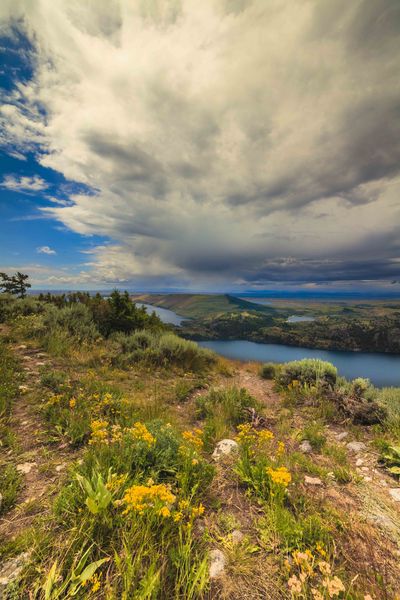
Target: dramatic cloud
24,184
45,250
226,141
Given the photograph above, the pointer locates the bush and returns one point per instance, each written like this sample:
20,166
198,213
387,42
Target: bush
268,371
310,371
75,321
230,404
161,350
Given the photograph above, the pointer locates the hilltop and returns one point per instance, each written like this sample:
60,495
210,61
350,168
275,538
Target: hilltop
138,465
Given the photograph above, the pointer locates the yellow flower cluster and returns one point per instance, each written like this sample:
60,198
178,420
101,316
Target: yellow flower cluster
294,384
188,512
279,476
99,432
247,433
140,498
72,403
116,482
140,432
194,438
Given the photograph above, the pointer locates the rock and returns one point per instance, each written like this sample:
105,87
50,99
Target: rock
305,447
237,536
217,563
60,467
367,479
224,448
364,469
11,569
356,446
23,389
312,480
395,493
359,462
342,435
25,467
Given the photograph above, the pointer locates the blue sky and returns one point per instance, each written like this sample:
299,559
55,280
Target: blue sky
206,146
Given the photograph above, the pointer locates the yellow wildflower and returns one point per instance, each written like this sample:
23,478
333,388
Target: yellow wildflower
138,498
183,504
246,432
265,436
140,432
281,448
280,476
116,433
99,432
316,594
178,516
95,581
116,482
195,461
164,512
194,437
319,548
72,403
198,511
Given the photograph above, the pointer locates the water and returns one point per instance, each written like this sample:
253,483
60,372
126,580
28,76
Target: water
166,316
382,369
299,319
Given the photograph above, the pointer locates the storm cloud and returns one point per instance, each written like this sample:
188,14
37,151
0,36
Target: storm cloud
225,142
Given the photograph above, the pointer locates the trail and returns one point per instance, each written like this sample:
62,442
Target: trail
40,462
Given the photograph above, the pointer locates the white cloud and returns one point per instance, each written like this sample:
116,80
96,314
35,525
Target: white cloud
244,140
24,184
45,250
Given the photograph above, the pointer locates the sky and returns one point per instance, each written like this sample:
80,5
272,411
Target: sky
213,145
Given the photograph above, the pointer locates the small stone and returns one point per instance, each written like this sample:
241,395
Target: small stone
11,569
356,446
22,347
237,536
217,563
342,435
395,493
367,479
60,467
364,469
359,462
305,447
23,389
40,364
25,467
224,448
312,480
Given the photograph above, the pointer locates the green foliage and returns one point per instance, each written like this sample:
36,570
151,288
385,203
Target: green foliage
314,433
54,380
310,371
15,284
230,404
75,321
389,398
269,370
391,459
10,484
160,349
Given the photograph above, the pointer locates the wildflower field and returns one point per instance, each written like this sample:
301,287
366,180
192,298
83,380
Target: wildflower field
113,486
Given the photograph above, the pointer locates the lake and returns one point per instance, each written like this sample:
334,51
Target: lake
166,316
299,319
382,369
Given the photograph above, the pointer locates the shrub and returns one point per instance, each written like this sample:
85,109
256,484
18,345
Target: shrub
268,371
313,432
389,398
74,321
308,371
230,404
161,350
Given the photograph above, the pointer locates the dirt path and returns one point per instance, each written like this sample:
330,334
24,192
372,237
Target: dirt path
40,462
